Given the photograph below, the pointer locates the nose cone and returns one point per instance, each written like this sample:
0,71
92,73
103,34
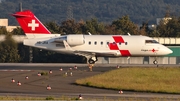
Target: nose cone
163,50
167,51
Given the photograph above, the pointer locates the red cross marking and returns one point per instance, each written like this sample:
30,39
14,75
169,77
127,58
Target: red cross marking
114,46
153,50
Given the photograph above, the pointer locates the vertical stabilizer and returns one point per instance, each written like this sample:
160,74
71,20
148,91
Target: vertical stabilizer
30,24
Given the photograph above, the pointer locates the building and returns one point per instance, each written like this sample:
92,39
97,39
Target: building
164,20
4,23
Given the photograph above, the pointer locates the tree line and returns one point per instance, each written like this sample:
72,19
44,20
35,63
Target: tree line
104,10
11,51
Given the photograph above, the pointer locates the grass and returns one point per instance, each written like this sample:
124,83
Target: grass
147,79
44,73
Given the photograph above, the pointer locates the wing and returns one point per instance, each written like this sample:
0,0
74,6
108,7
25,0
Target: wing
95,53
85,53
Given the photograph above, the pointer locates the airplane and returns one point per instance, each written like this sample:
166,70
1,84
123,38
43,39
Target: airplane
90,46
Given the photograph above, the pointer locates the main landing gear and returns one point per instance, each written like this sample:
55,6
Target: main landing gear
91,62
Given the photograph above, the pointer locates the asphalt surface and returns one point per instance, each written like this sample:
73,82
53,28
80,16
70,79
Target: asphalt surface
64,85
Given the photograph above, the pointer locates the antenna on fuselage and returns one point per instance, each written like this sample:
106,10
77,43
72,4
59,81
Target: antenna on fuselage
89,33
20,6
129,34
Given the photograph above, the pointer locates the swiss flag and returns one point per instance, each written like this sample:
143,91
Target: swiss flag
30,23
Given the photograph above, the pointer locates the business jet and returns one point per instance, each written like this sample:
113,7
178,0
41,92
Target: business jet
90,46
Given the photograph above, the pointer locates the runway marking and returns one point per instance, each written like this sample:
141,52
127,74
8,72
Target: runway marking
14,70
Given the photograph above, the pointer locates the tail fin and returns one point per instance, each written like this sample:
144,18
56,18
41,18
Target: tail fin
31,25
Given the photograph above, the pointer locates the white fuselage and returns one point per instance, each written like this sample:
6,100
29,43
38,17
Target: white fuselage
101,45
90,46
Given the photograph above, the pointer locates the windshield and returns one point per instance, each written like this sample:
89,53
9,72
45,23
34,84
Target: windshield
150,41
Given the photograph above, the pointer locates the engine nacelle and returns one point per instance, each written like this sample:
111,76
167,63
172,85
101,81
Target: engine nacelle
74,40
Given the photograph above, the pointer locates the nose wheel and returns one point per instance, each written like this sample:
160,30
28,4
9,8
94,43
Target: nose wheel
155,62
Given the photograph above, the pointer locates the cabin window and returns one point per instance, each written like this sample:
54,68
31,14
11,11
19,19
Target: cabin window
126,43
101,43
95,43
107,43
119,43
89,42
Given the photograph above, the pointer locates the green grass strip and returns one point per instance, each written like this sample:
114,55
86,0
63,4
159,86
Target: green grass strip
147,79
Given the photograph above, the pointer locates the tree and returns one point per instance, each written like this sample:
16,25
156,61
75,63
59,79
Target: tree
18,31
53,27
144,29
169,29
23,52
3,31
9,50
111,30
94,27
71,27
124,25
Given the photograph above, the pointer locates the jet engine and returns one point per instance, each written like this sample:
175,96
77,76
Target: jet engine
74,40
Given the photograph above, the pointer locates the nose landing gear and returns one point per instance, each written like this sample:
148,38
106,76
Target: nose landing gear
155,62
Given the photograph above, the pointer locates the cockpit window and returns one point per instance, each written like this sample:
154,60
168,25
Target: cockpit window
150,41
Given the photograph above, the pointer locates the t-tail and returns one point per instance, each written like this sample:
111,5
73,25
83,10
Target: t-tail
31,25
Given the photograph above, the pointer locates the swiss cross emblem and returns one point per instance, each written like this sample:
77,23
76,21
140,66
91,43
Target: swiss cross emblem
33,25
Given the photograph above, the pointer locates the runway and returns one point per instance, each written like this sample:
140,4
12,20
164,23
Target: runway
64,85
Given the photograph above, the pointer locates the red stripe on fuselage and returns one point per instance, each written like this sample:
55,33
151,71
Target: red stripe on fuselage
118,39
113,46
125,53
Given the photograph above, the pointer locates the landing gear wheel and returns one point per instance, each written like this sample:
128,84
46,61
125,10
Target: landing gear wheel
155,62
91,61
